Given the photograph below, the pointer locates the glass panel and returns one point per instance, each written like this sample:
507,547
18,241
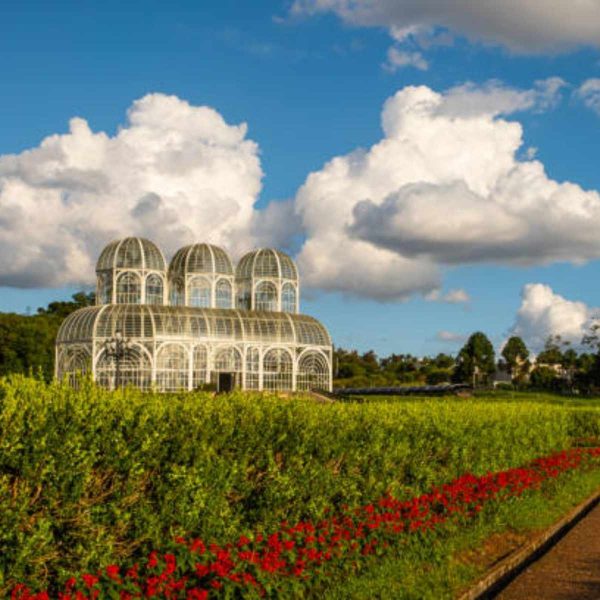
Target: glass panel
176,297
154,290
224,294
129,289
172,368
288,298
199,375
132,368
265,296
199,293
313,372
277,370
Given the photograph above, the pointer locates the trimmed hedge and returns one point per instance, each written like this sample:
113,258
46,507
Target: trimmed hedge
91,477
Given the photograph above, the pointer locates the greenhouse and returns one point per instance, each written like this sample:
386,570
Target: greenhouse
198,322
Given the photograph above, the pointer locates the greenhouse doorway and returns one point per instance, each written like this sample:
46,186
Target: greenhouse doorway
225,382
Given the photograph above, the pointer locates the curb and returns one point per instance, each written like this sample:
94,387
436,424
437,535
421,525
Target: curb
505,571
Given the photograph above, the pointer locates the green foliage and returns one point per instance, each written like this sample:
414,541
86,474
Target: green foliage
545,378
367,370
476,360
27,342
91,477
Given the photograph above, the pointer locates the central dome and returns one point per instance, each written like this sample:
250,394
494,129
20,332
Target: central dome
131,253
201,275
200,258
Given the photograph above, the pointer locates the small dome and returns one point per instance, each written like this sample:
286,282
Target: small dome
131,253
266,262
200,258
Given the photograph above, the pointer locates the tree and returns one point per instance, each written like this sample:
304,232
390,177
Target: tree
516,355
476,360
551,354
27,342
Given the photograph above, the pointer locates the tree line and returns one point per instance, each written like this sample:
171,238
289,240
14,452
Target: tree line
558,367
27,341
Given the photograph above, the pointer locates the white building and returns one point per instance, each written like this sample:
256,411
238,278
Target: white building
197,322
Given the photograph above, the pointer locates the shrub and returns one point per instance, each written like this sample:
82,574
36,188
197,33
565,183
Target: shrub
91,477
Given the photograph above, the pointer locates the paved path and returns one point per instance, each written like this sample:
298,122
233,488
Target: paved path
568,571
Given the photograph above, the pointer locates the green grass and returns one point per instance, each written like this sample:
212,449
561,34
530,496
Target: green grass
435,568
494,396
91,477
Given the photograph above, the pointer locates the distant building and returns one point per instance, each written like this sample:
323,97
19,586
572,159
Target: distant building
197,322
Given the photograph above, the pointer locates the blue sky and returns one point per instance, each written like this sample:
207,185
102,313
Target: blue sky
309,88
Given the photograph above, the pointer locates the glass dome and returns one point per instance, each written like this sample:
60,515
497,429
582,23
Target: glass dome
201,275
267,279
131,253
200,259
266,262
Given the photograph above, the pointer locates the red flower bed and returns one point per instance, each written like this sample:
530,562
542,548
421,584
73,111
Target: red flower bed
296,555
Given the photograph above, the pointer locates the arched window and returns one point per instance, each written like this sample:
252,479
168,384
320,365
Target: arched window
176,297
154,289
134,368
313,372
224,294
277,370
172,368
288,298
129,289
199,292
73,363
228,360
265,297
252,368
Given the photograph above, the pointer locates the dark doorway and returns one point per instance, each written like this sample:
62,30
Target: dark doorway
226,382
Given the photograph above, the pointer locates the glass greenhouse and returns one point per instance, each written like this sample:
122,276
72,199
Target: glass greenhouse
197,322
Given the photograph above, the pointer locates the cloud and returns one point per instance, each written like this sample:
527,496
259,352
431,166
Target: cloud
543,313
456,296
589,93
174,172
443,186
398,59
522,26
494,98
450,337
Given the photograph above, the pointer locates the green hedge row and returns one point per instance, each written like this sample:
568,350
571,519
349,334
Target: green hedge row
89,477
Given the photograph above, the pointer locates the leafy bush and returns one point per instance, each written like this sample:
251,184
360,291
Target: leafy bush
91,477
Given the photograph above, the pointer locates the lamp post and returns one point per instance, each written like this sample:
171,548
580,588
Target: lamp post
116,349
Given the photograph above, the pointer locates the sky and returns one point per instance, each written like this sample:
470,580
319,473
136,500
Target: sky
432,167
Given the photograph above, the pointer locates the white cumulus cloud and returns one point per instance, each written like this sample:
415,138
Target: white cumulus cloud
175,173
523,26
589,93
443,186
544,313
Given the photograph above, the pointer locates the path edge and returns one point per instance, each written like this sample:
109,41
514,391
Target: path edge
515,563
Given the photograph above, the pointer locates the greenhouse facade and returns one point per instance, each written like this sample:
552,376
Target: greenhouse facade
198,322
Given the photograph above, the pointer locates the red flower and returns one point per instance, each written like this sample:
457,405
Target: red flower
112,571
90,580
